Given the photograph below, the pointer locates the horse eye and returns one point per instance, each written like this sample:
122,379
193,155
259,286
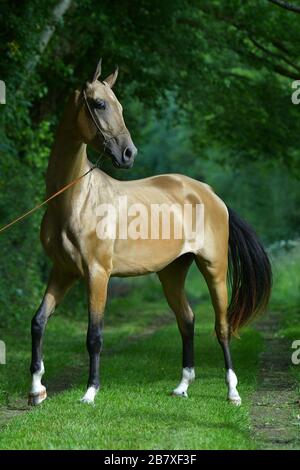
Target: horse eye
99,104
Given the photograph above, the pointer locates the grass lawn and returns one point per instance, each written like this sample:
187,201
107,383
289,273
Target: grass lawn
134,409
286,297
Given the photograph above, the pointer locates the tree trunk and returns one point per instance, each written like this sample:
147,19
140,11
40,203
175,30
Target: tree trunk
286,5
57,14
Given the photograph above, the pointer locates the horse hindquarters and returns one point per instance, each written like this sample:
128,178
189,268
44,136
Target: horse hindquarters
250,277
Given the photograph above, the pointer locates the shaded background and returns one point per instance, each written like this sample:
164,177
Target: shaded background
206,89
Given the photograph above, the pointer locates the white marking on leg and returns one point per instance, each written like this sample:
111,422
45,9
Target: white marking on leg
233,394
89,396
36,386
188,375
38,392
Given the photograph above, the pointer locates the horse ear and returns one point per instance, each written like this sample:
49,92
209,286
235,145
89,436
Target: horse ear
98,71
111,79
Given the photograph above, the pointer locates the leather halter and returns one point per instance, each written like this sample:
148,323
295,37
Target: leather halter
94,119
91,113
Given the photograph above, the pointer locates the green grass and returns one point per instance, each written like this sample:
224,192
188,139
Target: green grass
134,409
286,296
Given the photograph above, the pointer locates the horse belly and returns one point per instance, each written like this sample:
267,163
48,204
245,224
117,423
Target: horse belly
139,257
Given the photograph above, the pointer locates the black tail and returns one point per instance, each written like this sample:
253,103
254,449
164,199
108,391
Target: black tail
250,273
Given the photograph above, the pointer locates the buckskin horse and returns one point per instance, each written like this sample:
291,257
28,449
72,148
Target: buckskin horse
93,117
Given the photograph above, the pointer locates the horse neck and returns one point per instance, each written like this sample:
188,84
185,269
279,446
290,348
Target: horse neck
68,159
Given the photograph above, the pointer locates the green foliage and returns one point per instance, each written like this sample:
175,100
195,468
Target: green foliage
287,278
206,92
286,294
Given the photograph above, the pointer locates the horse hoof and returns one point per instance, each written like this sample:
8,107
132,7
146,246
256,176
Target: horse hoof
89,396
177,393
35,399
236,401
88,401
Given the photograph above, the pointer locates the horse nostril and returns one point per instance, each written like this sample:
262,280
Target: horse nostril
127,154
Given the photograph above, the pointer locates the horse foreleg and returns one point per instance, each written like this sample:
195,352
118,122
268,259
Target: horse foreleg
57,287
97,292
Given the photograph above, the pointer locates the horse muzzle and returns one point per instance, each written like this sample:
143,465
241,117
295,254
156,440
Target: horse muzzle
125,158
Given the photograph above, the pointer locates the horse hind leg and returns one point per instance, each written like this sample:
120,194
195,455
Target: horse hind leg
215,275
172,279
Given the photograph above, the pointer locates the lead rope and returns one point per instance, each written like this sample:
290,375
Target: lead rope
60,191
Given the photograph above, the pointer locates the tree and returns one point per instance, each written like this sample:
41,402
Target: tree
206,91
287,5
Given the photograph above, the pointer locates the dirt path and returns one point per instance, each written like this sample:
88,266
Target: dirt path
275,410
